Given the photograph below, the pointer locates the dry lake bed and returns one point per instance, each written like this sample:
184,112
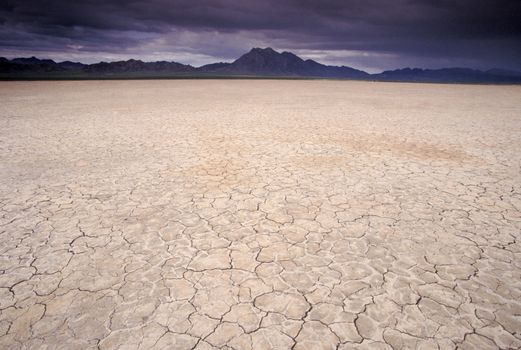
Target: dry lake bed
259,214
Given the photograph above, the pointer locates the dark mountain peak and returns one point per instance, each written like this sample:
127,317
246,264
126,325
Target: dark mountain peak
266,50
268,62
259,53
31,60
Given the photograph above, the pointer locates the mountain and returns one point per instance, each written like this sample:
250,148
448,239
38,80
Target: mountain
34,67
504,72
134,66
68,65
268,62
449,75
32,61
28,65
213,67
257,62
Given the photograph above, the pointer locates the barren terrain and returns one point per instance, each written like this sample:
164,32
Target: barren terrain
264,214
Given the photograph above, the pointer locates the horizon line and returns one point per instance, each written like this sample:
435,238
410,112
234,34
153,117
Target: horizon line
265,48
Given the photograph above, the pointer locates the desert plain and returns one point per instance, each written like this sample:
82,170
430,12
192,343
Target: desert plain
259,214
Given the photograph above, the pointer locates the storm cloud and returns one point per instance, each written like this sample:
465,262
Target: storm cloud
372,35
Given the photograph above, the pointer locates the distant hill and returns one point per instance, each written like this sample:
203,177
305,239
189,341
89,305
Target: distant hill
32,61
268,62
28,65
257,62
448,75
131,66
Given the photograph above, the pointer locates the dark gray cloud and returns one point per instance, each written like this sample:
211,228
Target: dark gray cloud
371,34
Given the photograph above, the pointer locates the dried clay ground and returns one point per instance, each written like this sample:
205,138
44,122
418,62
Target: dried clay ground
259,215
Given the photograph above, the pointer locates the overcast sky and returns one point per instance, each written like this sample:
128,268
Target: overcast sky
366,34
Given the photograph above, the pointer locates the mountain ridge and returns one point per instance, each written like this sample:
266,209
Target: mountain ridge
258,62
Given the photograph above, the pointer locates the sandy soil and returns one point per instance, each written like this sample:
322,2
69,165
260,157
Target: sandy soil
259,214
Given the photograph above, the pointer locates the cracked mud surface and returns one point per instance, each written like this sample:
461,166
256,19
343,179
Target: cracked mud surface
259,215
